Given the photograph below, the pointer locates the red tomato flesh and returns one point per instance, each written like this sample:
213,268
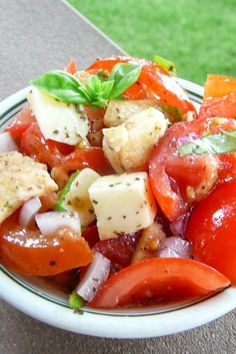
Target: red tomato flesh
152,83
219,107
21,122
171,175
212,230
29,252
119,250
158,281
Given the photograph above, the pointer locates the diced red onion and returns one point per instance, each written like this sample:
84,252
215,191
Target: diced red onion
96,274
178,226
175,247
28,211
49,222
7,143
186,139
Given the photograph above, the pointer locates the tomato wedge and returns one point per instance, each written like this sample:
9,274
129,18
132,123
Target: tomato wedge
92,157
219,107
157,281
33,144
153,82
178,182
21,122
212,229
219,97
219,86
29,252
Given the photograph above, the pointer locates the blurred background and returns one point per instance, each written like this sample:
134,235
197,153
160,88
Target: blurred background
198,36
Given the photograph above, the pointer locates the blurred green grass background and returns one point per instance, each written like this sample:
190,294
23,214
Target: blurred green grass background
198,36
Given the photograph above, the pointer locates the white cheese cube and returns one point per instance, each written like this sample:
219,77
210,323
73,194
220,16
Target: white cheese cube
57,120
122,204
129,145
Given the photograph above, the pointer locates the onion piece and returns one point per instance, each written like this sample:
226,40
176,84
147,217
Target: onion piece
28,211
96,274
49,222
175,247
7,143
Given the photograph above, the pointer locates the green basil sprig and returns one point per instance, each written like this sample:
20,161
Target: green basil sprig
218,143
165,63
95,92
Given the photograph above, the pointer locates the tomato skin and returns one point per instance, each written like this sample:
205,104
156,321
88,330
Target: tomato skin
33,144
219,107
92,157
56,154
21,122
150,84
71,67
158,281
169,172
219,86
212,229
30,253
90,234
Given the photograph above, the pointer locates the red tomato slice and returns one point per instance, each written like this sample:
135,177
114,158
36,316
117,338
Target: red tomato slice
29,252
219,107
90,234
153,82
92,157
212,229
177,181
219,86
21,122
34,144
71,67
158,281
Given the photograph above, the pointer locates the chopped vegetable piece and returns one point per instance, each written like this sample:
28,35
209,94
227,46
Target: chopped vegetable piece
31,253
7,143
51,221
212,228
95,275
75,196
28,211
76,302
157,281
165,63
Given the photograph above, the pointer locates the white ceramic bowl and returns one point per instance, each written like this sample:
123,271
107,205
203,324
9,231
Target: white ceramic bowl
37,299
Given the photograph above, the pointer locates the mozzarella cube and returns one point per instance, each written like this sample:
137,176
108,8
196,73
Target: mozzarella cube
123,204
128,146
58,121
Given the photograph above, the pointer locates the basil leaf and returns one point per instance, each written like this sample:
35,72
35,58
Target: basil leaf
106,88
123,75
219,143
63,86
165,64
99,91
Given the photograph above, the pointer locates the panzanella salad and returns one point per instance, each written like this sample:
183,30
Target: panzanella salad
113,187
